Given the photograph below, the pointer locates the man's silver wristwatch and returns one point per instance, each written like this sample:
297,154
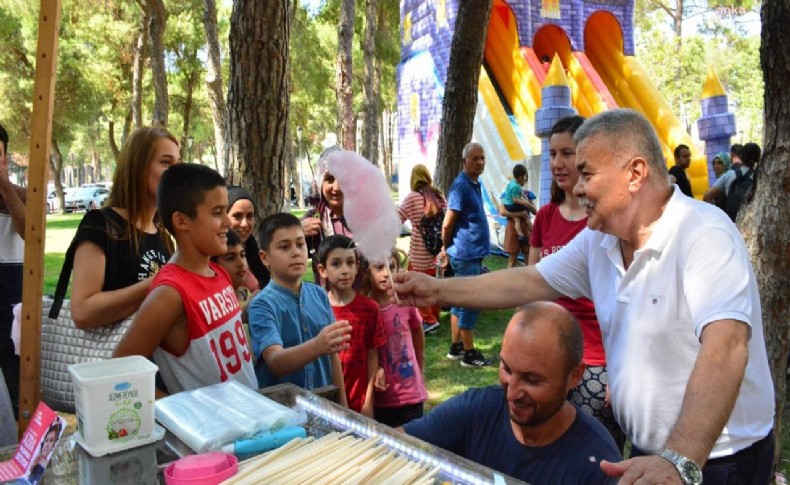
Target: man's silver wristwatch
690,473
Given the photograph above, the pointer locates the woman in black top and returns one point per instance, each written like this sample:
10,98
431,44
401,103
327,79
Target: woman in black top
119,248
243,217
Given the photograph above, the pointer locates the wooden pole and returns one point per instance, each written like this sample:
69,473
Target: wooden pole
38,174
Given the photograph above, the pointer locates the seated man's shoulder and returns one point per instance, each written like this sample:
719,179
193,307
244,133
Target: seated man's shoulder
587,442
575,457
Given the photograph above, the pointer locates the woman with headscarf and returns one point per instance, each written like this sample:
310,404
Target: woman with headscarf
326,217
721,163
243,216
424,200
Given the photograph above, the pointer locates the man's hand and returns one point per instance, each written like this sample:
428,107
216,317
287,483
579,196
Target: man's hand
311,226
643,470
413,289
443,259
4,179
334,337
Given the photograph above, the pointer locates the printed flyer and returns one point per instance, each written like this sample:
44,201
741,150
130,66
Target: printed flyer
34,451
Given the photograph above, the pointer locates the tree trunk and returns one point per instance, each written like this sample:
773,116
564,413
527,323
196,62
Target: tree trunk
96,166
387,132
460,95
258,97
127,127
56,164
140,48
765,218
113,144
190,88
216,94
156,8
370,126
344,74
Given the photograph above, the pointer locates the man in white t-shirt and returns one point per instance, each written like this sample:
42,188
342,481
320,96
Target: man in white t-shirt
12,253
689,376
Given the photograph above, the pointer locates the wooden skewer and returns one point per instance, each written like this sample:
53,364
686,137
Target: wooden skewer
341,457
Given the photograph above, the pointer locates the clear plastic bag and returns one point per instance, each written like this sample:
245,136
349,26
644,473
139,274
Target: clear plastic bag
208,418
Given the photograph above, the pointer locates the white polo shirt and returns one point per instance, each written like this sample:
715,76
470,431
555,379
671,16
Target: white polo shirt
693,270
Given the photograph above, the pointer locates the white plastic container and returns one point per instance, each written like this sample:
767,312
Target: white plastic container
130,467
114,400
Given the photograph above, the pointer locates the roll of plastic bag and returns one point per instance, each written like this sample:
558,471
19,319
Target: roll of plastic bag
208,418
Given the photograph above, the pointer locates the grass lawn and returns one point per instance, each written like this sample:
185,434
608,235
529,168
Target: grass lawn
60,231
443,377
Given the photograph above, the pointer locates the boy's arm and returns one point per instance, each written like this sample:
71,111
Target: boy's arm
282,361
373,367
526,203
160,312
337,379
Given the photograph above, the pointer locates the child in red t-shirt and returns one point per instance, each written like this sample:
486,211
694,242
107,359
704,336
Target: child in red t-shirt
338,266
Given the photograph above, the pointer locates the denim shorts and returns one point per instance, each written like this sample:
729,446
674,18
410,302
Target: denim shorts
467,318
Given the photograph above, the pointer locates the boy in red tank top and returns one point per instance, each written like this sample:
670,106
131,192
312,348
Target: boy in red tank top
191,320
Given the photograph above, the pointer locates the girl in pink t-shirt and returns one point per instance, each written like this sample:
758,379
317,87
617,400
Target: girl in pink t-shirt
400,389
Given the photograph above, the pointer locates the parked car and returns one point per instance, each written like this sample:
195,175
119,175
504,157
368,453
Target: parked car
86,198
53,203
306,195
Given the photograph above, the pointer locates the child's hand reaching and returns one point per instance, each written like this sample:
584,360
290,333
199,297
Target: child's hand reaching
380,383
334,337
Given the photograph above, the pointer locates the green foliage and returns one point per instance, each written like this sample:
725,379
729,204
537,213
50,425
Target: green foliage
313,51
95,61
720,43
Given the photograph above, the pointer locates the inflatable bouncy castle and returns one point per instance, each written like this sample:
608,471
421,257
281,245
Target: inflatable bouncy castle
543,60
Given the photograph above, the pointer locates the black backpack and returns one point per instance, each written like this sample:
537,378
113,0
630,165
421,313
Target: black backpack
431,231
737,191
430,226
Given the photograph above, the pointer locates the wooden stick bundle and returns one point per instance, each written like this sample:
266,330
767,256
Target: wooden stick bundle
337,458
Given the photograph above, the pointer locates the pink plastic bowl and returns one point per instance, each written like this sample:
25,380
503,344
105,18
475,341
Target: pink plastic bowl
206,469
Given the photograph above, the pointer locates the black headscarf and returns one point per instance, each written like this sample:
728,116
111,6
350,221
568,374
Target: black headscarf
251,248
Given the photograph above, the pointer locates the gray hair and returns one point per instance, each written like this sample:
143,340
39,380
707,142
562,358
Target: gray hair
468,148
626,131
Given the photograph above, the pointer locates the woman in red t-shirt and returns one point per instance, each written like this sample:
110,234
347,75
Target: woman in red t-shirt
555,225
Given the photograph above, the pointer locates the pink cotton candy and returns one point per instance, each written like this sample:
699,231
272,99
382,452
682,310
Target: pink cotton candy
370,213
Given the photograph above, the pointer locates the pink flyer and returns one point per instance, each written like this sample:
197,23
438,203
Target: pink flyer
35,449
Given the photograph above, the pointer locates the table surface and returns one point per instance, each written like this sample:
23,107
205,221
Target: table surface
70,464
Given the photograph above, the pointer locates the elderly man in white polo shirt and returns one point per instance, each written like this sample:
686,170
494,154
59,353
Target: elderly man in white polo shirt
688,371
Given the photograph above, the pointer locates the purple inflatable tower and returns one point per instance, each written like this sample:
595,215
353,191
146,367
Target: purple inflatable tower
717,124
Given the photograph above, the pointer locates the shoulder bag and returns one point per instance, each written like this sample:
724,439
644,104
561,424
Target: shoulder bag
63,344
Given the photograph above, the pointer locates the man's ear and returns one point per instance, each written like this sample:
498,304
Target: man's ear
638,171
575,376
180,221
264,258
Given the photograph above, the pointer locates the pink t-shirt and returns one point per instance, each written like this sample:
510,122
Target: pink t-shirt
397,358
550,232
